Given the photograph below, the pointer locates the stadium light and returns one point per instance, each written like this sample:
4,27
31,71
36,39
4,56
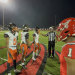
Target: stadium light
3,1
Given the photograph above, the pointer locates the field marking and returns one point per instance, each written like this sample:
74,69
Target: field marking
4,59
58,45
7,60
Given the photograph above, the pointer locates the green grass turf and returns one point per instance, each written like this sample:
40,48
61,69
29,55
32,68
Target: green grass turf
52,65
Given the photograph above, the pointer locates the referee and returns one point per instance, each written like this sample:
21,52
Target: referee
51,41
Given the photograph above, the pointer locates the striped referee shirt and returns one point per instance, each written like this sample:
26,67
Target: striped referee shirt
51,36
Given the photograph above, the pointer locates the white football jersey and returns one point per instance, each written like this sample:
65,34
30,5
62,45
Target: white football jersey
23,38
17,33
12,40
36,38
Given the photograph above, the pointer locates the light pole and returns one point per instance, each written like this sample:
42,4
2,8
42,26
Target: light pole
3,1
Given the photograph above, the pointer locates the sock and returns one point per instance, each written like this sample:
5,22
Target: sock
33,54
37,52
8,67
14,62
22,64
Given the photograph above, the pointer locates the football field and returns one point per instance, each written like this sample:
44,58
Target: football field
52,66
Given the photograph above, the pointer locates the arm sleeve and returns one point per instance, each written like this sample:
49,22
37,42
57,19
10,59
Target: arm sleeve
6,35
27,36
34,35
47,34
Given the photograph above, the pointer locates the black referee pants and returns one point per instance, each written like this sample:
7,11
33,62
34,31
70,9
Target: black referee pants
51,44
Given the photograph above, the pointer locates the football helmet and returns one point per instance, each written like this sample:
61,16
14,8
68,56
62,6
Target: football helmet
25,28
11,27
37,29
66,29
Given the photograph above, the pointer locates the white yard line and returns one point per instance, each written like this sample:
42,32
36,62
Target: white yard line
4,59
58,45
7,60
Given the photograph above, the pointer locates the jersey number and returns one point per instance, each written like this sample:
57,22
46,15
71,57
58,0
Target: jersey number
14,41
70,52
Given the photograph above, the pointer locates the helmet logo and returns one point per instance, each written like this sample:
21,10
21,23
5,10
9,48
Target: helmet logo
66,24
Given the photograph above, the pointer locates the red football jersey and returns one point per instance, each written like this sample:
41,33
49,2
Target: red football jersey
68,51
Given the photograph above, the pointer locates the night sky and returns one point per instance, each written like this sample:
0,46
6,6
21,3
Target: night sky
39,13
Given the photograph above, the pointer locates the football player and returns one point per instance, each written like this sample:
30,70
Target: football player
11,38
24,43
36,43
66,33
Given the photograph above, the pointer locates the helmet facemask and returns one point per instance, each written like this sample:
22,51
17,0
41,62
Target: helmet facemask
37,30
12,27
25,28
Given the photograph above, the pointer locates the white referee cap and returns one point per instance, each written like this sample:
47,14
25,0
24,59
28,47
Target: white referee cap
50,27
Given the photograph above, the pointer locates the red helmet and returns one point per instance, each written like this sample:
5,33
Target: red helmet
66,28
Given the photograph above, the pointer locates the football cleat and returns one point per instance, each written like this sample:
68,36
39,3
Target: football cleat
9,73
17,71
38,55
33,59
24,66
52,56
